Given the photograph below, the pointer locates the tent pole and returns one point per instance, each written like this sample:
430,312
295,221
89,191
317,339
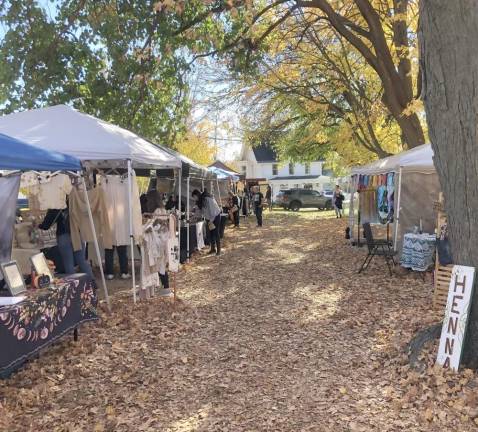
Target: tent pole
131,238
219,192
97,248
397,217
187,220
180,180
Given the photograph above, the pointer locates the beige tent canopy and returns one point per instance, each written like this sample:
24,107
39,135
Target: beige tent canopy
416,189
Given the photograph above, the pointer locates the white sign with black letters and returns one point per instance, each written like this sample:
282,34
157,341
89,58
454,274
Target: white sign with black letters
456,317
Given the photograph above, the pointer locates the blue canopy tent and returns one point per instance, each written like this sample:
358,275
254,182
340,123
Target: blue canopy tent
19,156
223,174
15,156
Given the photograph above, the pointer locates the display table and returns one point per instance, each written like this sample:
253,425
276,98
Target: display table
417,252
44,317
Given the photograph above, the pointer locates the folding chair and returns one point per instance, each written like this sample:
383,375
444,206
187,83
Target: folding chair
377,248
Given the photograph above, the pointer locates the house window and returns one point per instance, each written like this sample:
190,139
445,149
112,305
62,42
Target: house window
275,169
308,186
284,187
307,168
291,169
243,169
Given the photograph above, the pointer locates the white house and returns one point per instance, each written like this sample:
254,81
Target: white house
259,164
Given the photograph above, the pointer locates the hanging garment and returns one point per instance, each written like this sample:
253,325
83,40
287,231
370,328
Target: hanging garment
80,225
200,235
382,203
49,192
116,193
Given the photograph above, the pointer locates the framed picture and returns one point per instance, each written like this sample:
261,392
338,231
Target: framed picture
13,278
40,265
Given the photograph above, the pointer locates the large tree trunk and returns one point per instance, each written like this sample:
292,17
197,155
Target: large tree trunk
449,59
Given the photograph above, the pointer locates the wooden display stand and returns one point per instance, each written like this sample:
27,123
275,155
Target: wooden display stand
442,272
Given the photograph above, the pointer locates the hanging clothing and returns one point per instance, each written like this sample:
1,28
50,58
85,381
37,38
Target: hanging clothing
46,191
382,203
79,220
116,193
200,235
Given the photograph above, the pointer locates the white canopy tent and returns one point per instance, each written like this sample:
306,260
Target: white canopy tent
96,143
416,186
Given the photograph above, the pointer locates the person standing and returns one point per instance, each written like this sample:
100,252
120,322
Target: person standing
258,199
234,199
338,202
269,197
69,257
212,213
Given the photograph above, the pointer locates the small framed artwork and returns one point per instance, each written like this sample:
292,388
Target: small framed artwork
40,265
13,278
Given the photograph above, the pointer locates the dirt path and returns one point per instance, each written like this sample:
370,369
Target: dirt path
278,334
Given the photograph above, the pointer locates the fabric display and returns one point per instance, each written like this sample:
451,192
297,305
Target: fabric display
116,194
80,225
376,197
418,251
46,191
9,187
155,249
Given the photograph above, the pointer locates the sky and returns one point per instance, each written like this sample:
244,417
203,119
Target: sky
207,91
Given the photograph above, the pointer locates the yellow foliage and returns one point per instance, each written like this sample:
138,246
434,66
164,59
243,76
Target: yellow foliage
195,144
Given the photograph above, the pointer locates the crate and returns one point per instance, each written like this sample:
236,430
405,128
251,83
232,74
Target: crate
442,285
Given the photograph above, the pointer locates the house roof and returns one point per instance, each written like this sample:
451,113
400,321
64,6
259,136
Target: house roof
223,166
305,177
264,153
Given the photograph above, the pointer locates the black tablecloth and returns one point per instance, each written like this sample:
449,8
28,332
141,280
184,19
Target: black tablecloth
42,318
193,242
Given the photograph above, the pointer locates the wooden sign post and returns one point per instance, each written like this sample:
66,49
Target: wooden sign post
456,317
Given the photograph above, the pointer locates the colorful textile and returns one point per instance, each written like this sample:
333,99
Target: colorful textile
30,326
417,252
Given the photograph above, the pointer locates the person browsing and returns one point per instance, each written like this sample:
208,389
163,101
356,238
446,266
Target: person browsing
212,213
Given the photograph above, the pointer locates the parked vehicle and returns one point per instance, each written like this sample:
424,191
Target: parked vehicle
295,199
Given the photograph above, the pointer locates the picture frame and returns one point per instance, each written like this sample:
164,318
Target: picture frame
40,265
13,278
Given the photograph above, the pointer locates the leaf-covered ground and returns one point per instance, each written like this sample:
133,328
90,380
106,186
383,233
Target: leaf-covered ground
278,334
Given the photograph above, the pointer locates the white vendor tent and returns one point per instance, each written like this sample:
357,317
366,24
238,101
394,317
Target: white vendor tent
64,129
416,189
96,143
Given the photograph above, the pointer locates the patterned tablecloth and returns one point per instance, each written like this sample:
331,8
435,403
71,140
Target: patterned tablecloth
42,318
418,250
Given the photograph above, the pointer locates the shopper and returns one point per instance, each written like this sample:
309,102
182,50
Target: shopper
258,200
269,197
338,202
212,213
68,256
234,209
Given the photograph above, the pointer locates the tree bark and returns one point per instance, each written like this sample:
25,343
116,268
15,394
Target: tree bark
396,79
448,38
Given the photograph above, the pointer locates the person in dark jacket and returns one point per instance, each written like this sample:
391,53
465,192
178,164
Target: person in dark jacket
234,199
269,197
258,201
68,256
338,202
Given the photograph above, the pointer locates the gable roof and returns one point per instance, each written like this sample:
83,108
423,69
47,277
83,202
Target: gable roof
222,166
264,153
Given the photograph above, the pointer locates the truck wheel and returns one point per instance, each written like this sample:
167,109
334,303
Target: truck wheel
295,206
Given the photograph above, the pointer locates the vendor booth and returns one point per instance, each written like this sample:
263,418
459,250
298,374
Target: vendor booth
110,154
398,191
194,176
34,316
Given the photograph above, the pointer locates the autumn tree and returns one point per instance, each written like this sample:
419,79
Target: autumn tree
450,63
196,143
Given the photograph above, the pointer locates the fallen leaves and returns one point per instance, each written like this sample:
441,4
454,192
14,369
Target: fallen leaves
278,334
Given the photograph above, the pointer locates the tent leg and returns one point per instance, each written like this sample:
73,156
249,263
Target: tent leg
219,193
180,175
130,205
188,251
397,216
97,248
